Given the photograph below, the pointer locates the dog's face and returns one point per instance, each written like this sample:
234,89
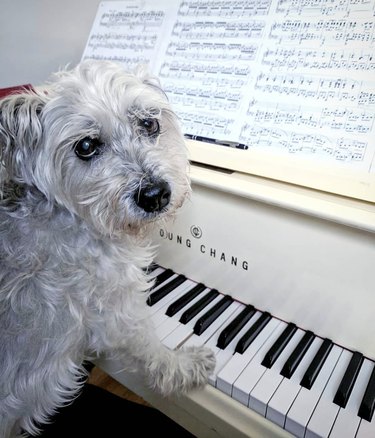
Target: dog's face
101,142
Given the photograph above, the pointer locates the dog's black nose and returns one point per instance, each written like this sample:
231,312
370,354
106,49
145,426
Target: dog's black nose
153,197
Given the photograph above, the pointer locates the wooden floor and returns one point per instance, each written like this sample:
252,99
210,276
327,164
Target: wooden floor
100,378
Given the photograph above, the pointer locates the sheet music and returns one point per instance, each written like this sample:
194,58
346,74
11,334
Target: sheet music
288,77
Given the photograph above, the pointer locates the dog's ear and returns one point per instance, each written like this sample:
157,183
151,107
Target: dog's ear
20,132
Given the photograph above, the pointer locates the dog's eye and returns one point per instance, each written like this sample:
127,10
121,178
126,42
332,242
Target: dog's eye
87,148
151,126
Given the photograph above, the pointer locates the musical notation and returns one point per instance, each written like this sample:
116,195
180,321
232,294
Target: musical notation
132,18
212,51
319,146
303,59
208,29
223,8
128,35
317,88
222,75
336,8
338,119
137,43
223,101
277,75
206,123
130,61
329,32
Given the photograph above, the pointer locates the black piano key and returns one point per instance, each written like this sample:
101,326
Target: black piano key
209,317
235,326
198,306
295,358
274,352
253,332
367,406
347,383
163,276
156,296
185,299
314,368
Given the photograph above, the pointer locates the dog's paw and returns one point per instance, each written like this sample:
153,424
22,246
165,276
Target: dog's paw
199,362
187,368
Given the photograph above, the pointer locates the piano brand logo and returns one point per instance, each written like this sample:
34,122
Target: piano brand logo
203,248
196,231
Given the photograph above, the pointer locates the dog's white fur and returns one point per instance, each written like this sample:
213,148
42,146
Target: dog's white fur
74,244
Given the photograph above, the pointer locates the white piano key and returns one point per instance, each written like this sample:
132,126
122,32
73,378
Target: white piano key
347,420
345,423
212,341
230,372
212,376
172,277
171,323
159,316
325,412
305,402
166,324
254,370
169,297
366,429
224,355
166,328
156,272
283,398
214,327
267,385
183,331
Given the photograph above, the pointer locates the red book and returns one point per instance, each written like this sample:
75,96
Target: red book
14,90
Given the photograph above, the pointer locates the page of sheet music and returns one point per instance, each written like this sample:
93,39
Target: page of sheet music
292,77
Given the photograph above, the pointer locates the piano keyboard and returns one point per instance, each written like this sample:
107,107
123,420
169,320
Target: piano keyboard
307,385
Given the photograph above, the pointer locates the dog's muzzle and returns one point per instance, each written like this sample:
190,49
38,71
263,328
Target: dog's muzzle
153,197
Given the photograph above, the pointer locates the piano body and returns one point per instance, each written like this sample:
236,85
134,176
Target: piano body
294,241
304,255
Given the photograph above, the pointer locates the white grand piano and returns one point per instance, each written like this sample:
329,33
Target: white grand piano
304,258
291,234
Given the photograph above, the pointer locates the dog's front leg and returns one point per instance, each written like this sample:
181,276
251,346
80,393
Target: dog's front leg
167,371
177,371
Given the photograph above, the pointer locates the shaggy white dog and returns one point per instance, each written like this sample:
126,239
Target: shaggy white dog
88,166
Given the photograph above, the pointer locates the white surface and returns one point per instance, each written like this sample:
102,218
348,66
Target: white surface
223,356
366,429
325,411
283,398
254,370
347,420
234,367
216,326
306,400
271,379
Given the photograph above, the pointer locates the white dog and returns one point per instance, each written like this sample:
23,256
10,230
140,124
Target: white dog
88,166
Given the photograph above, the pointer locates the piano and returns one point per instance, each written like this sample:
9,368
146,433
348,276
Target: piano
285,276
